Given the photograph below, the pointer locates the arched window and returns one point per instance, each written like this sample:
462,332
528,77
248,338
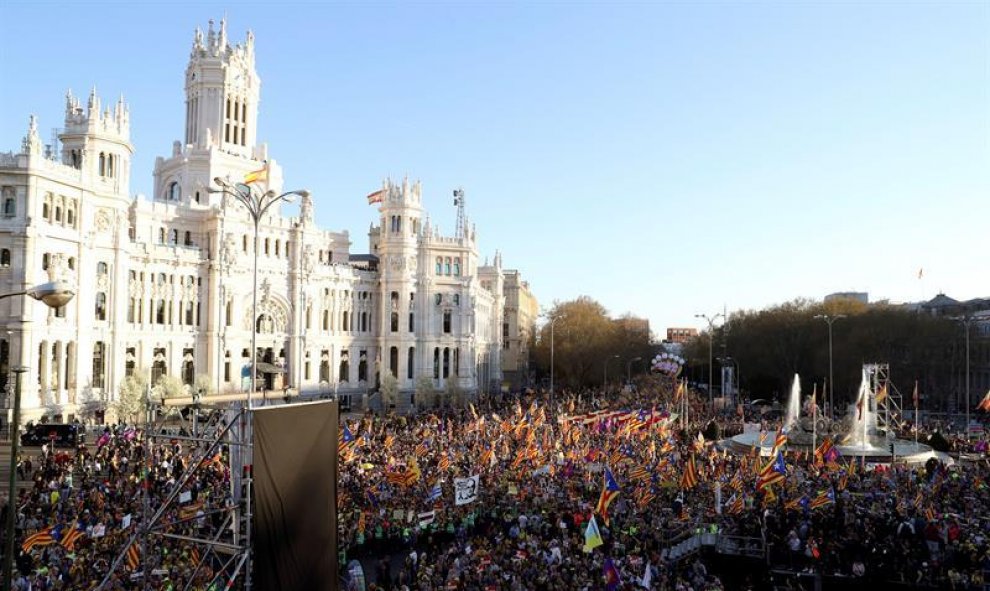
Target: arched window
344,375
70,218
325,366
5,257
446,266
439,266
446,362
266,246
101,268
161,235
99,364
58,213
188,240
230,313
412,323
103,164
393,361
101,306
309,317
188,368
446,321
326,320
278,248
436,363
173,237
174,191
110,161
364,322
346,326
410,358
395,322
457,267
9,207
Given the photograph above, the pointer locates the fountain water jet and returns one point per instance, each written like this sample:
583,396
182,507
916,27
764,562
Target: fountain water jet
793,405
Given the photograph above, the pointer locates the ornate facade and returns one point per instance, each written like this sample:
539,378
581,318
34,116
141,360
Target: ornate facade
165,283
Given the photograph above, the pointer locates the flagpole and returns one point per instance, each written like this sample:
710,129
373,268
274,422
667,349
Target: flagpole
814,420
917,422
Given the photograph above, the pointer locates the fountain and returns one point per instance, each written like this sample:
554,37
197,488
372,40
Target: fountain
862,420
857,435
793,405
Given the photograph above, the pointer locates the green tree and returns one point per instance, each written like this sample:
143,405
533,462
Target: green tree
389,390
584,338
769,346
425,393
131,401
170,387
454,394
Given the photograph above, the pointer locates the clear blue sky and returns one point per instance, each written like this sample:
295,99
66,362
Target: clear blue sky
664,159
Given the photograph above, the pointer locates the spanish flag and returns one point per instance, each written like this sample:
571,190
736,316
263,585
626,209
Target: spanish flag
376,197
256,176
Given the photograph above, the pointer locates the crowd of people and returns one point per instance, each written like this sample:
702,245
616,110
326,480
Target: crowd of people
541,471
80,514
584,491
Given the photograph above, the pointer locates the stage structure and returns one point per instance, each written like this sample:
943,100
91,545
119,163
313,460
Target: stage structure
227,549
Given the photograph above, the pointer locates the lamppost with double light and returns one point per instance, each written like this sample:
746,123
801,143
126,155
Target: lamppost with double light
711,336
831,385
552,321
54,294
257,204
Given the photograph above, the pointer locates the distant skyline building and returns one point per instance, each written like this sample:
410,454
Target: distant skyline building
165,284
518,331
859,296
681,335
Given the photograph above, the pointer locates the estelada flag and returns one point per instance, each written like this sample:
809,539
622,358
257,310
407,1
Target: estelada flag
609,492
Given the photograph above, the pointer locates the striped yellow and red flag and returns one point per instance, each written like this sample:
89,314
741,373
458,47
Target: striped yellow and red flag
133,556
690,477
41,538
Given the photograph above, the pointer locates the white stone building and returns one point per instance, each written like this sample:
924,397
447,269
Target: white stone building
165,284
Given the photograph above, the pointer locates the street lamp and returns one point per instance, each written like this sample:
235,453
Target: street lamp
831,385
629,369
733,388
552,321
711,336
966,322
257,204
54,294
605,379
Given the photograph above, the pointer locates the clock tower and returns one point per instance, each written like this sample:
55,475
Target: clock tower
222,93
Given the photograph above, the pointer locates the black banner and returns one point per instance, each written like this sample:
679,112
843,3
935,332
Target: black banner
295,501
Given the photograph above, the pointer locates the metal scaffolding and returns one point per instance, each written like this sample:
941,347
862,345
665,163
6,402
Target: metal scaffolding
227,548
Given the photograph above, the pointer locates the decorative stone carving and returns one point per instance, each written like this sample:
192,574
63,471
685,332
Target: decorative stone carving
103,221
309,258
228,254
